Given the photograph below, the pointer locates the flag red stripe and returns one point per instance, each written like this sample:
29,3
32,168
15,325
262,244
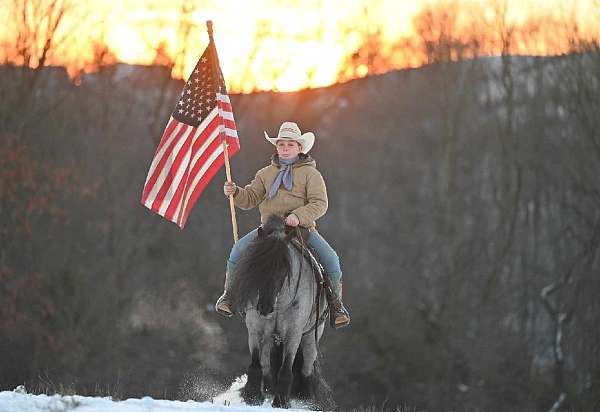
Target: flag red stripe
225,106
208,130
234,146
230,124
189,175
214,146
208,175
204,135
152,181
168,181
183,187
198,165
170,212
168,130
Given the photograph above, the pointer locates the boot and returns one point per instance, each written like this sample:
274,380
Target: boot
224,306
338,315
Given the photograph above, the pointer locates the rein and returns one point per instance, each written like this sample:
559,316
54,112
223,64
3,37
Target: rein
320,281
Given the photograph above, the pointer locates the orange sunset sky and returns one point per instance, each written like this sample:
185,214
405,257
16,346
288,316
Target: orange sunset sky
279,45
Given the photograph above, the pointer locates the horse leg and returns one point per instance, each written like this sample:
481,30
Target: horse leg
284,377
313,388
252,392
265,363
307,386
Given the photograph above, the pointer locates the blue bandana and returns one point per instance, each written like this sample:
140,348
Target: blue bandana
284,176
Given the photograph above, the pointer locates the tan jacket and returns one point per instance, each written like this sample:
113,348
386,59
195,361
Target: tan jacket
307,199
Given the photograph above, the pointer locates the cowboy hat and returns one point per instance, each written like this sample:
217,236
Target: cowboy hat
291,131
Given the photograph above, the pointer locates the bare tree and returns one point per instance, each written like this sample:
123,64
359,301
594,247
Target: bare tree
187,34
37,29
371,56
579,93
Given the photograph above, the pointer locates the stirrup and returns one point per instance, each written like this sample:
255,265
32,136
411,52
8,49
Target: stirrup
223,306
339,313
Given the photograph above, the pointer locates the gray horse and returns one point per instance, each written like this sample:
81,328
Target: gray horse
275,288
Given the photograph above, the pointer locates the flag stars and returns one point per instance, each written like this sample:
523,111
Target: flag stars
198,95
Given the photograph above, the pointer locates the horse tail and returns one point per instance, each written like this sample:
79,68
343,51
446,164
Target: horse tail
263,268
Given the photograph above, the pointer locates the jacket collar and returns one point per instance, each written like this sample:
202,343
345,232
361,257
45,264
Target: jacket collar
302,159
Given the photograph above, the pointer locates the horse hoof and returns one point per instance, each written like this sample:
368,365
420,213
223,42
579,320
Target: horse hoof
279,402
254,399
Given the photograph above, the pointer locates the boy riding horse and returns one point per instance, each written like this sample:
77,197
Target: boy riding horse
291,187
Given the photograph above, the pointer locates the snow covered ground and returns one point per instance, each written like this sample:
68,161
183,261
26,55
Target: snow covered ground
229,401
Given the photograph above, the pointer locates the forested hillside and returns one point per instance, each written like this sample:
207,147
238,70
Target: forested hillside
464,204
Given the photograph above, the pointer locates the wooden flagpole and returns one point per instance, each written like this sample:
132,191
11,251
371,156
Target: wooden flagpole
215,67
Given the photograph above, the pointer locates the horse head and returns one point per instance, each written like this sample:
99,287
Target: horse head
263,268
274,227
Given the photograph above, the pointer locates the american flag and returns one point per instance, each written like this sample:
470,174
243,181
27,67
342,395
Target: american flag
190,151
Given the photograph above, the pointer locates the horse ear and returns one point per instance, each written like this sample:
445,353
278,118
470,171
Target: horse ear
260,232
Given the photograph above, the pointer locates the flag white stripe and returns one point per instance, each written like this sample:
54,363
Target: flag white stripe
183,167
226,115
163,149
230,132
206,143
167,168
223,98
209,117
168,165
176,215
195,159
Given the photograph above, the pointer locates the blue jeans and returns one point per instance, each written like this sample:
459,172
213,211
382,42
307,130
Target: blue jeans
327,256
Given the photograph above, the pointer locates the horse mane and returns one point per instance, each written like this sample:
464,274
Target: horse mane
264,266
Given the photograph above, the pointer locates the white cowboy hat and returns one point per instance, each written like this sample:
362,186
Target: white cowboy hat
291,131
